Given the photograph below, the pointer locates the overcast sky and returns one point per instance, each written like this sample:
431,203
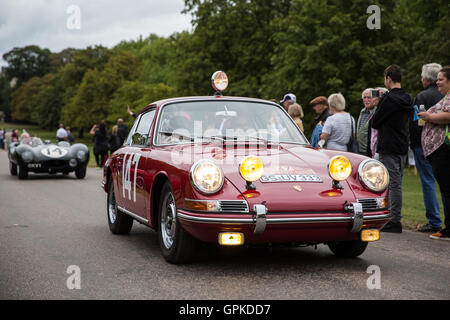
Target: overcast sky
60,24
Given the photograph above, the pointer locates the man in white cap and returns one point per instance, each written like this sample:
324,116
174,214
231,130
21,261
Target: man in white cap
288,99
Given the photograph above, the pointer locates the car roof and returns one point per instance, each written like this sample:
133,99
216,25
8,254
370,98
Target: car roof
204,98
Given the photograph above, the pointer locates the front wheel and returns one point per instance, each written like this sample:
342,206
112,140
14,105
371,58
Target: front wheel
80,173
119,222
348,249
12,168
176,244
22,172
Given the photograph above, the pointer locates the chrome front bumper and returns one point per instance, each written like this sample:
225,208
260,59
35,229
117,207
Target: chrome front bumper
260,219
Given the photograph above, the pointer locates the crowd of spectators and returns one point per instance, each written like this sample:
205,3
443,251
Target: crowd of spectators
391,124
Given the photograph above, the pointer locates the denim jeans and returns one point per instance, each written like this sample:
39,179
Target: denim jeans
427,181
395,165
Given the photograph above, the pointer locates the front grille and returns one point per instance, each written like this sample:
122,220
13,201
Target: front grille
55,163
369,204
233,206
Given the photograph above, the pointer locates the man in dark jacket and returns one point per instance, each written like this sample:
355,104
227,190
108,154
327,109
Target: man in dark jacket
122,132
391,120
428,98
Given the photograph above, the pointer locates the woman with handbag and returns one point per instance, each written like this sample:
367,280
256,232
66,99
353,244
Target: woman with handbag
436,145
339,129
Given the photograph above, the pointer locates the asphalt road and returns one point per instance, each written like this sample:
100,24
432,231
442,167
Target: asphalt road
54,228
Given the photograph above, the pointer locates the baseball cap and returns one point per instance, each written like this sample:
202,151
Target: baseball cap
289,96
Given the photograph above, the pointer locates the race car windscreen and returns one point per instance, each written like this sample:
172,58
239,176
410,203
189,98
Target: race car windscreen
197,121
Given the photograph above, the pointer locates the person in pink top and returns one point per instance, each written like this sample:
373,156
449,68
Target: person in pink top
436,145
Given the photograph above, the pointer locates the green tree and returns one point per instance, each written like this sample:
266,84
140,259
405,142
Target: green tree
22,104
47,103
234,36
25,63
91,101
325,47
137,95
5,97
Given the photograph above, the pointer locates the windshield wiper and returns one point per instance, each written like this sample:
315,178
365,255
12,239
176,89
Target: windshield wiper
243,139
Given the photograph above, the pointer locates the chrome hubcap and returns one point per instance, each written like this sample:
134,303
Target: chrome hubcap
168,221
112,206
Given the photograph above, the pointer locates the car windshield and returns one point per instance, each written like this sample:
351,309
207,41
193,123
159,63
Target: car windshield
34,142
197,121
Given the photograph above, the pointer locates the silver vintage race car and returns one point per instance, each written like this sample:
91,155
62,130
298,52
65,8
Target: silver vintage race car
33,155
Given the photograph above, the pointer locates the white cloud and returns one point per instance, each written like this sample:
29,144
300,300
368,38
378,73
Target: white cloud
105,22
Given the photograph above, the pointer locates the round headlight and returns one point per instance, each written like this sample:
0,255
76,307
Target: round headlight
27,156
81,155
206,176
251,168
339,168
219,81
373,175
73,163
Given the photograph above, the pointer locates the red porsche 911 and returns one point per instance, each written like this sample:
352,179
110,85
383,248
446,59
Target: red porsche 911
237,171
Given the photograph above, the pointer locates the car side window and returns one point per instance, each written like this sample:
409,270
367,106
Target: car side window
142,134
133,129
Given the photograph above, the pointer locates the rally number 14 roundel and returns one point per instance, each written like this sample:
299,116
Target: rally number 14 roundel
54,152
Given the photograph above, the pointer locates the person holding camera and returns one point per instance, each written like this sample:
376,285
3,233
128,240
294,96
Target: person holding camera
100,134
362,125
391,120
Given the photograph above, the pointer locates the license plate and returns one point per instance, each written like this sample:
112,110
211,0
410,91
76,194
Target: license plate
291,178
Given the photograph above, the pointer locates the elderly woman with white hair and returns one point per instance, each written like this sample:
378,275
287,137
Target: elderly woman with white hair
338,127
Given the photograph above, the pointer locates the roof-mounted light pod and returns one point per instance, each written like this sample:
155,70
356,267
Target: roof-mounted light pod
219,81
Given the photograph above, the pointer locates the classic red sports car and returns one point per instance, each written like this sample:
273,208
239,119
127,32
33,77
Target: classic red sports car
235,171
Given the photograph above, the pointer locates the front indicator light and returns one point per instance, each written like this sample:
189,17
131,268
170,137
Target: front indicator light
202,205
339,168
370,235
231,238
383,203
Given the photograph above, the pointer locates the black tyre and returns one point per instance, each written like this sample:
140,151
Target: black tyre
80,173
22,172
119,222
348,249
12,168
176,244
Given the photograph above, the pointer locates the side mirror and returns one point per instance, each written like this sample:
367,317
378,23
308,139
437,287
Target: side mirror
47,142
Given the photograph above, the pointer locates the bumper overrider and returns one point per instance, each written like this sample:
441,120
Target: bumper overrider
260,226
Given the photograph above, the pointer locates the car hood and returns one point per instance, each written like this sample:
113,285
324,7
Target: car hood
283,162
51,151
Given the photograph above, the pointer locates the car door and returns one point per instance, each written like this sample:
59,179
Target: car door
133,186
